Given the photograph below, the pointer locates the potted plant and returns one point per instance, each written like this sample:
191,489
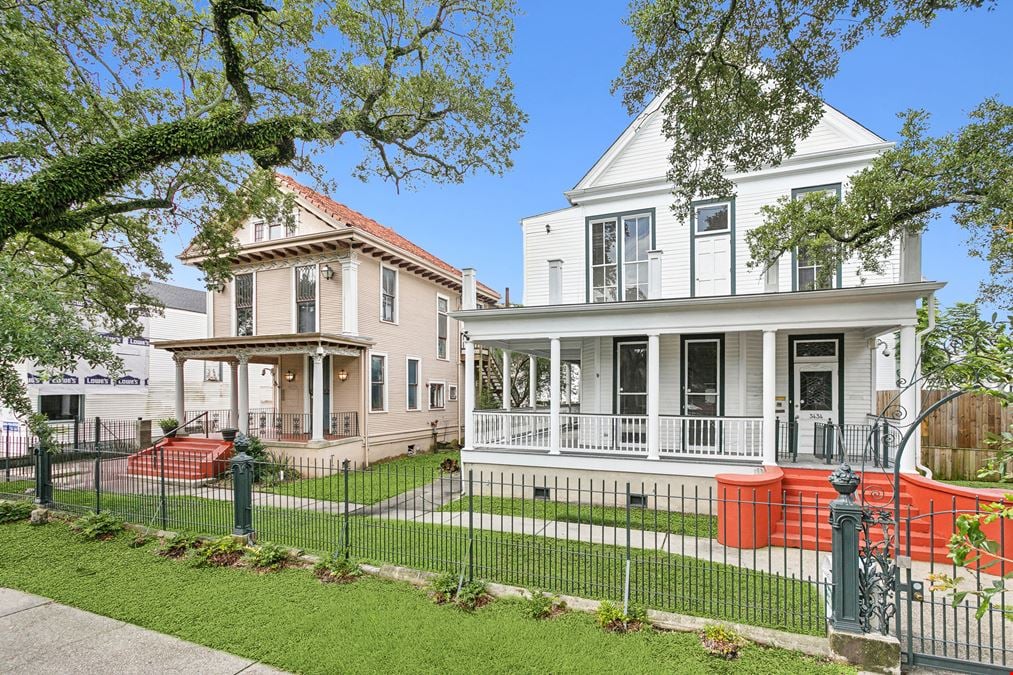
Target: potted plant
168,426
229,434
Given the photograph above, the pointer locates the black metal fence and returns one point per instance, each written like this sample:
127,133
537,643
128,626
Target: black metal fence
858,444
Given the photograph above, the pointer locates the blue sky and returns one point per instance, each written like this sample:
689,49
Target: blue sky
566,56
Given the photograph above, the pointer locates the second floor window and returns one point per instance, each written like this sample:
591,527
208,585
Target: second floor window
244,303
636,244
604,271
413,384
617,261
808,275
378,383
269,231
306,299
442,326
388,294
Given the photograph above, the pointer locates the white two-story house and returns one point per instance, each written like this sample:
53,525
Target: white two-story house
691,362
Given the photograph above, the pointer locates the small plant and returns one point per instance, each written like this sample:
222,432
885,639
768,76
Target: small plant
223,552
443,588
140,540
338,570
544,606
268,557
473,595
177,545
167,424
11,512
101,526
450,465
722,641
611,617
275,468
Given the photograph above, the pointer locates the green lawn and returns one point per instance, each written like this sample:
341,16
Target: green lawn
375,484
609,516
292,621
986,484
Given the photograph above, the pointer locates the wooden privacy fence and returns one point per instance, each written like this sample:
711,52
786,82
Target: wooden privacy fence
954,438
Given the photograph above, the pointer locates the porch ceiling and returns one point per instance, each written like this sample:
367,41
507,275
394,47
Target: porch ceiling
265,348
874,309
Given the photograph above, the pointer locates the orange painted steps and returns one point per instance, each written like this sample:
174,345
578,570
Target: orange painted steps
184,459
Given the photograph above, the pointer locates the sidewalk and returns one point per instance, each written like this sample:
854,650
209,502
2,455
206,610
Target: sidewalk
38,635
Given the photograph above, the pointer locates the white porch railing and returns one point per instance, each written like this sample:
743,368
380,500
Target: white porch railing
608,434
711,437
680,437
513,430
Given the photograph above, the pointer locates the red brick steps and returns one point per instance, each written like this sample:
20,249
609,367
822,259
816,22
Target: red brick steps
184,459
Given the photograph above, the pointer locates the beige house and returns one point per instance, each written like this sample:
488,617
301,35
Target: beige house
341,305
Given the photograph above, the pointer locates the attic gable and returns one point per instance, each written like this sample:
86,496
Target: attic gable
641,152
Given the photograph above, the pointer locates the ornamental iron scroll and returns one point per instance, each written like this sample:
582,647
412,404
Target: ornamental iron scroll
877,571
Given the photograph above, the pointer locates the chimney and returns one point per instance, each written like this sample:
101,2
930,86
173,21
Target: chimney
469,298
556,282
506,297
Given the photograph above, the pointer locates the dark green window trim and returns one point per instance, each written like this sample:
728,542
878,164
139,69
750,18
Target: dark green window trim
618,216
693,235
722,367
792,339
615,365
794,252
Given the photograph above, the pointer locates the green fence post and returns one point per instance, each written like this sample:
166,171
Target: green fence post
98,433
242,488
626,575
43,476
344,516
471,529
846,520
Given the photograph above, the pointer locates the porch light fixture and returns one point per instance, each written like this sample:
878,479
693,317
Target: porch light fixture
290,375
342,374
327,272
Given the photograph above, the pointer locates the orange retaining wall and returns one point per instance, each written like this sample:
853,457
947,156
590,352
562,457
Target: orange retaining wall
749,505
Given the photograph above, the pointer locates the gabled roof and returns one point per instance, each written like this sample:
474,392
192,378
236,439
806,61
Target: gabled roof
644,131
178,297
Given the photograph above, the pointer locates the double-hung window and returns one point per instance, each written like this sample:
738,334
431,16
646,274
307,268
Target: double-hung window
636,244
810,276
378,383
306,299
388,294
244,303
275,230
442,326
413,384
604,259
437,396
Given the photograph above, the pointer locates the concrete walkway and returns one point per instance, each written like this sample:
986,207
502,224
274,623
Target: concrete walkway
38,635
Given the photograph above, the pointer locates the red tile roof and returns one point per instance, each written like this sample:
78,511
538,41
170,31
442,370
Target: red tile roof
356,220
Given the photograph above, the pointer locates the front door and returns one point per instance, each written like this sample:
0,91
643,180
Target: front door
631,394
326,392
702,392
815,400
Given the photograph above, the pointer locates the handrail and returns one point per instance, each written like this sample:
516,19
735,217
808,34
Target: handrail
165,434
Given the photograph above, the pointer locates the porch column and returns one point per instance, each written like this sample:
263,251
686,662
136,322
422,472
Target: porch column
234,395
910,391
653,396
318,397
243,407
769,395
350,295
180,389
533,382
554,396
469,394
507,388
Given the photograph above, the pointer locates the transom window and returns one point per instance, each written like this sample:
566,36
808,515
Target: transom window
816,349
437,400
712,218
388,294
617,260
244,303
306,299
442,326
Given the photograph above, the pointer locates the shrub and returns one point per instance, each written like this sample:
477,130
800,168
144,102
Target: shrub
267,556
167,424
450,465
223,552
443,588
544,606
177,545
338,569
473,595
276,468
611,617
98,526
140,539
722,641
11,512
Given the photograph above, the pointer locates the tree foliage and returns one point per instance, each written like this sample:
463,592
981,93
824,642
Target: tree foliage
741,83
968,352
121,121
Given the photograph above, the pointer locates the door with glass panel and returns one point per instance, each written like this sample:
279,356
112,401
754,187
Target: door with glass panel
631,394
702,393
815,386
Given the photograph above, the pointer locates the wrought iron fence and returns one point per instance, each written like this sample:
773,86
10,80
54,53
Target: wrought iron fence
856,444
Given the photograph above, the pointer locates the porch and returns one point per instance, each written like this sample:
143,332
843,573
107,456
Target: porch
318,390
673,386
